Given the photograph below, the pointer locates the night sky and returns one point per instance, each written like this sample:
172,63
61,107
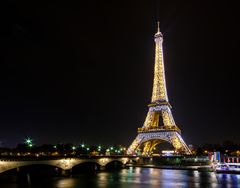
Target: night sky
82,71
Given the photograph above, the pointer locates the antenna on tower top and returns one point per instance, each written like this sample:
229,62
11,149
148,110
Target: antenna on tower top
158,27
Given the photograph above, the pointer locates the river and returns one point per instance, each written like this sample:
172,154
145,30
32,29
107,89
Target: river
132,178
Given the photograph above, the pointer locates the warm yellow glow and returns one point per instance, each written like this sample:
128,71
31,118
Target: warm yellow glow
159,124
159,86
148,120
167,120
104,161
124,160
146,148
176,143
134,146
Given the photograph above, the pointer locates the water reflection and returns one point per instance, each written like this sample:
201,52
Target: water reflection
229,179
134,178
66,183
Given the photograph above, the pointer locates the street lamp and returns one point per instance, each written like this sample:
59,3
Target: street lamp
73,148
28,141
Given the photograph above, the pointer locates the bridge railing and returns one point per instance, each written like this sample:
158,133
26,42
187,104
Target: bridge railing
34,158
230,159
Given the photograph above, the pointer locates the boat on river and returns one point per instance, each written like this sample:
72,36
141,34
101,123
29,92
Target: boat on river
233,168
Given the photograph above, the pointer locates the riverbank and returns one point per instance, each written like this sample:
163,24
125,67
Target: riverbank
205,168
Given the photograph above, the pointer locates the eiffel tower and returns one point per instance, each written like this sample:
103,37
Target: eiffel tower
159,125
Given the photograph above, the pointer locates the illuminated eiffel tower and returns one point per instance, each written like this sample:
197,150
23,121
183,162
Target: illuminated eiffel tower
159,125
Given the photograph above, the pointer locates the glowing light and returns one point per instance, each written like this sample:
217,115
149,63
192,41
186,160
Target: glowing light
159,84
63,183
103,161
28,141
152,131
83,145
167,151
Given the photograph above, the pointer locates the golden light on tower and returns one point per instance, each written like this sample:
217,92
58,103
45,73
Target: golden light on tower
159,91
159,124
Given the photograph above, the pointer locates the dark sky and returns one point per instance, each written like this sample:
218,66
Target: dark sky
77,71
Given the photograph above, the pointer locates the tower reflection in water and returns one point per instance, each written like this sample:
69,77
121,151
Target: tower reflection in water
134,178
149,177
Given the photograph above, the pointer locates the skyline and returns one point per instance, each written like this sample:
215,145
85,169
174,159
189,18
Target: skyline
84,71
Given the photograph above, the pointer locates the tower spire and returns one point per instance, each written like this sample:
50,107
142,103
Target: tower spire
159,92
158,27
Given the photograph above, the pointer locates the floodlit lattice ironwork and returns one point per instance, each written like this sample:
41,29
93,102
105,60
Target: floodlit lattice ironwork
159,124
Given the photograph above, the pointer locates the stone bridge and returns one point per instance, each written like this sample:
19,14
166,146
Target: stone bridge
63,163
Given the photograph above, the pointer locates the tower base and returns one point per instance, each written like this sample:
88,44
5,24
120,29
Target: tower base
150,139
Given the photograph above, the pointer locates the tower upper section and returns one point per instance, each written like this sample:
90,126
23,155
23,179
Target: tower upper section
159,93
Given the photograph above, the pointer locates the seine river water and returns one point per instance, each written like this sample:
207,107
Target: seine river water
132,178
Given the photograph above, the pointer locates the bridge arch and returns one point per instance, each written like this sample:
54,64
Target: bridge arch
11,165
114,164
39,170
64,163
86,166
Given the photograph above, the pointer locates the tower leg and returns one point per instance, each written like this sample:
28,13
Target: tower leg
146,148
132,150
